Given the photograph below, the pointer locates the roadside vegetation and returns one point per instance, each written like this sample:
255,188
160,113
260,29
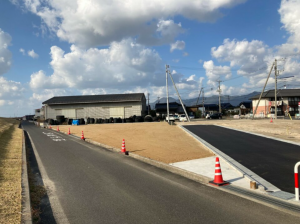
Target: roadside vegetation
10,171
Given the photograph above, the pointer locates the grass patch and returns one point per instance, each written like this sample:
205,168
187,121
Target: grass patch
10,171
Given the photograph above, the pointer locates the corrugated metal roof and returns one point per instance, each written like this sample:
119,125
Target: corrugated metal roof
109,98
280,93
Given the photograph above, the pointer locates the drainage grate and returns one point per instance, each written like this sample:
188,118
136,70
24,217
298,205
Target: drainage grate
283,195
263,198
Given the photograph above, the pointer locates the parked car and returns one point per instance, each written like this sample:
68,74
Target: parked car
191,116
216,116
182,118
172,118
176,117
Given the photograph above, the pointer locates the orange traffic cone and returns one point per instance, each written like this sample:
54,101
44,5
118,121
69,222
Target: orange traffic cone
218,181
82,136
271,121
69,132
57,128
123,150
50,127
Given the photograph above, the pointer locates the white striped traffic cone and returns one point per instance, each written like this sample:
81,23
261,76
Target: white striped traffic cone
218,181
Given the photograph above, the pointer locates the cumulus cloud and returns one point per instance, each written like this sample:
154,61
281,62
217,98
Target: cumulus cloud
99,22
178,45
248,56
5,54
290,17
123,65
11,92
32,54
214,72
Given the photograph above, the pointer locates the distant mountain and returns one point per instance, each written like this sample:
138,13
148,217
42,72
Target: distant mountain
234,100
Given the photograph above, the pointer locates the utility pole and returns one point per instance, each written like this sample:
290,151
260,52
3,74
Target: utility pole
276,74
199,95
148,104
203,104
262,92
275,68
167,89
187,116
158,99
219,90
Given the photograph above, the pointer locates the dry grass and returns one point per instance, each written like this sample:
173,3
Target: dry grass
157,140
10,171
283,129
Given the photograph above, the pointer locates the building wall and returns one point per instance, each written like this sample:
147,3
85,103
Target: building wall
99,110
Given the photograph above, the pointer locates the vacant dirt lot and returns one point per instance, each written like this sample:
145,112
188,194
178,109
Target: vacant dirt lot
158,141
10,171
283,129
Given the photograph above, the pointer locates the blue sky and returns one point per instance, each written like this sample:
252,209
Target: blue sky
92,47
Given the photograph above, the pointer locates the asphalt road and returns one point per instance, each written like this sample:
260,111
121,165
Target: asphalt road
87,184
270,159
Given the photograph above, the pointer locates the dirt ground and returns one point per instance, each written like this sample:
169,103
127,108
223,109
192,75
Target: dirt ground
170,144
158,141
282,129
10,171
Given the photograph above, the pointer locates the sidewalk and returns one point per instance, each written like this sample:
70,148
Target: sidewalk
206,167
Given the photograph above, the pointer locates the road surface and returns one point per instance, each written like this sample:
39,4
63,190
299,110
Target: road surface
87,184
270,159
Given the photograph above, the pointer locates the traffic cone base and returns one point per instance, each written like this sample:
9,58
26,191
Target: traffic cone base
218,184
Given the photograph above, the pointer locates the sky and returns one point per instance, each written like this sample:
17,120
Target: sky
85,47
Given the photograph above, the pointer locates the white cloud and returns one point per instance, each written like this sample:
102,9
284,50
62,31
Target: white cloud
178,45
22,51
32,54
5,54
99,22
185,54
290,17
214,72
123,65
10,92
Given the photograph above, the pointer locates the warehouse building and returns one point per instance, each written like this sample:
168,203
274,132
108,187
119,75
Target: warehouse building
96,106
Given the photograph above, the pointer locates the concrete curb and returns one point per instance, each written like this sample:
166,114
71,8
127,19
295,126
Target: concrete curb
26,217
251,176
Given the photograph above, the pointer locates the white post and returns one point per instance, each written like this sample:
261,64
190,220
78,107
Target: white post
296,181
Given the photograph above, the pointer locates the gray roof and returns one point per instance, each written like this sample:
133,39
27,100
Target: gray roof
109,98
280,93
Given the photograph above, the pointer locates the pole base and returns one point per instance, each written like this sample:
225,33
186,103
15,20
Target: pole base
218,184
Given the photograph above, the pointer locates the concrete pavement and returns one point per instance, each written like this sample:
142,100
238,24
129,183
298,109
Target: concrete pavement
92,185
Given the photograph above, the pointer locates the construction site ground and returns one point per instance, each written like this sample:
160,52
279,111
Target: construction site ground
170,144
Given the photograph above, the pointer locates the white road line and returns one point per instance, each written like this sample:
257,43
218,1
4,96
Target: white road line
58,212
